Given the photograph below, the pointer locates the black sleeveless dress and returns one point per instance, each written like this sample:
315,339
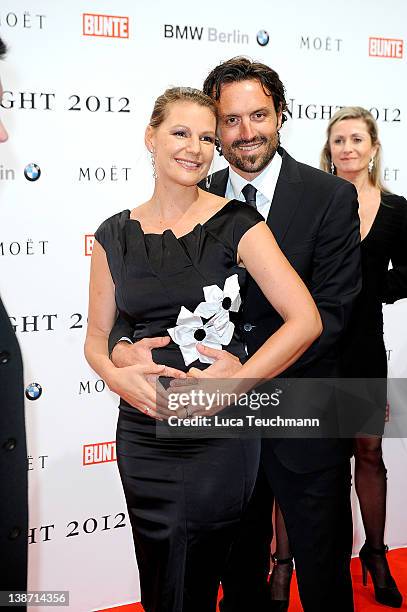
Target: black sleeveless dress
362,350
185,497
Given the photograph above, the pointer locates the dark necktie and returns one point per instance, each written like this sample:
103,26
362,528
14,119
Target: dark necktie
249,192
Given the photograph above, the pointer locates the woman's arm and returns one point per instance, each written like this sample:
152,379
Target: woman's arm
101,314
129,382
287,293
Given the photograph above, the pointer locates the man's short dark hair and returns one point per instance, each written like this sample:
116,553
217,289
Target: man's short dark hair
243,69
3,49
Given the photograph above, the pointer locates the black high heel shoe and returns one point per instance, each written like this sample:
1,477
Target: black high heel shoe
374,561
281,605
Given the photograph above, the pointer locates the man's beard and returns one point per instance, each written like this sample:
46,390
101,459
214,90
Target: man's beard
251,163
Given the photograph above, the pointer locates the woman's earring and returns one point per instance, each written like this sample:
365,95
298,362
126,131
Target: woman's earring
155,177
208,179
218,147
370,165
332,168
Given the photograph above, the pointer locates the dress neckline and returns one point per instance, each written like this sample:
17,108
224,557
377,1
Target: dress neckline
198,225
374,221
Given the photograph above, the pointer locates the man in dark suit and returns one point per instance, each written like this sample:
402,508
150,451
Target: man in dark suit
314,218
13,453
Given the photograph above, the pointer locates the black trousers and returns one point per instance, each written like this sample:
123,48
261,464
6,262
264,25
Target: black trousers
317,513
185,499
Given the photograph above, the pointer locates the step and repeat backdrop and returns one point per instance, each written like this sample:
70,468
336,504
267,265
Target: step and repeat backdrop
79,83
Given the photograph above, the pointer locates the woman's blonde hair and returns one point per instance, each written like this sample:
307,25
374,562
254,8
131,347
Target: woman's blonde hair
178,94
355,112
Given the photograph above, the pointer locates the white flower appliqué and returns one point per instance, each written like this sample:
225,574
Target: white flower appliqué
218,301
217,331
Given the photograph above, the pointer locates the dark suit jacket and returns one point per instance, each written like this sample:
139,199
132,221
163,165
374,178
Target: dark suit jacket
13,463
314,218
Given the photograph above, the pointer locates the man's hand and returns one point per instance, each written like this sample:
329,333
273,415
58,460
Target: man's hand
125,354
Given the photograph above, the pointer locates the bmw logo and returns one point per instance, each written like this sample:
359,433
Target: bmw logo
263,38
32,172
33,391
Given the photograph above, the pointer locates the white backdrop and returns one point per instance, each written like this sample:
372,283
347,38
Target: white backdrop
75,102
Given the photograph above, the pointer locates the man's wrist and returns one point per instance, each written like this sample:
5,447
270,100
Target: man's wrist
123,339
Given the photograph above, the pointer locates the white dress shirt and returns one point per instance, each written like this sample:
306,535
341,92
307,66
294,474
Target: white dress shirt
265,184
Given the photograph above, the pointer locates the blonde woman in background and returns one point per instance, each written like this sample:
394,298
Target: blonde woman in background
352,151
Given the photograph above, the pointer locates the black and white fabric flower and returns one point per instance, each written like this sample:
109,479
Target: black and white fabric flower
218,329
217,301
190,330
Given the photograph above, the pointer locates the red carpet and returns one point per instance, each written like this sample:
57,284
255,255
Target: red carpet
364,598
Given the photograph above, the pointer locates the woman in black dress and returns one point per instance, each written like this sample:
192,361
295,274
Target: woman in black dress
352,151
174,265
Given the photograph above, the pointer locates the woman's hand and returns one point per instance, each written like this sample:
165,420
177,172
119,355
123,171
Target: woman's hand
139,386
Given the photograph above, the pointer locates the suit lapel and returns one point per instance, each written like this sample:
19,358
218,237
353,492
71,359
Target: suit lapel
286,198
219,182
287,195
